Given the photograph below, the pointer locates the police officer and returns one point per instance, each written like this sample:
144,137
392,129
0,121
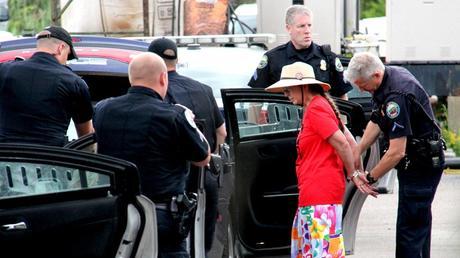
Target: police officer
326,64
200,99
39,96
160,138
402,111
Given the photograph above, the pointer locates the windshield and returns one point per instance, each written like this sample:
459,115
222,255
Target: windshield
219,67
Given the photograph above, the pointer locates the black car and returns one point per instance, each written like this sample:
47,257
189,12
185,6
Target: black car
57,202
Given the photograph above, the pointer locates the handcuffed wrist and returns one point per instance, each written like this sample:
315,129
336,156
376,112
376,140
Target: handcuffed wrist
354,175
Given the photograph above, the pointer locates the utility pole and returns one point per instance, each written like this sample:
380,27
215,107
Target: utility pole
55,12
145,8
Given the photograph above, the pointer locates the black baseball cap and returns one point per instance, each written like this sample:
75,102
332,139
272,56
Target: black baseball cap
164,47
61,34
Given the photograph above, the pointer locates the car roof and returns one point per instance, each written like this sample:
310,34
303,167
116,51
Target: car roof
121,50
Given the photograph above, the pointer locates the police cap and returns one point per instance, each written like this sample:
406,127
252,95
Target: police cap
61,34
164,47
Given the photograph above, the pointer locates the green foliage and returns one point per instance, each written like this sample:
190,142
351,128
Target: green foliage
452,138
372,8
28,16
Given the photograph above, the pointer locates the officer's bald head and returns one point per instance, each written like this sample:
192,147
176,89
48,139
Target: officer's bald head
148,70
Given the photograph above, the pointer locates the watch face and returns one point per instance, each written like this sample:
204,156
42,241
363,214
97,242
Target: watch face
370,178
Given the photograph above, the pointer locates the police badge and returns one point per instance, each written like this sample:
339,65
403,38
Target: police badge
322,65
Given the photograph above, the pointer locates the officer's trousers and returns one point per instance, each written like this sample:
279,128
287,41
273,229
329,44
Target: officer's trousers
170,244
417,187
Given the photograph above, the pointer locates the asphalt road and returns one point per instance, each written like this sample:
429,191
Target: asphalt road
376,231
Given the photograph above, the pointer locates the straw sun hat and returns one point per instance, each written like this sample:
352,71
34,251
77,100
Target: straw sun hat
296,74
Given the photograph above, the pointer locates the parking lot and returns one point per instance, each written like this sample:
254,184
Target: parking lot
375,236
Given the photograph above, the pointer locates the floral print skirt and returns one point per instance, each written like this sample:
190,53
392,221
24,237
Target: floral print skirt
317,232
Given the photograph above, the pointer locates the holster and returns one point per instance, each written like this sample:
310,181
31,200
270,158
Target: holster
425,152
183,209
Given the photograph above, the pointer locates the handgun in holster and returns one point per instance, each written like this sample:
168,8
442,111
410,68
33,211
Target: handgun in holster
423,150
183,209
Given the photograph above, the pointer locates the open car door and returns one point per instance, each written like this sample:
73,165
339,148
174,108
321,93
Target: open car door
57,202
262,129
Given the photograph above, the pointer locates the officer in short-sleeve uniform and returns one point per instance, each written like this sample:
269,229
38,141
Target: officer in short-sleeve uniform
327,66
402,109
159,138
39,96
200,99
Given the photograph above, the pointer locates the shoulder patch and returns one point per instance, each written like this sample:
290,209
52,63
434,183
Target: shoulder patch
338,65
392,109
263,62
188,115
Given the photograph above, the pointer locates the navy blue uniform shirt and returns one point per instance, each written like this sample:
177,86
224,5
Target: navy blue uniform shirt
199,98
395,111
329,70
156,136
38,97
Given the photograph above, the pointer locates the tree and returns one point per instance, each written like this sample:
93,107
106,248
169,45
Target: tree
28,16
372,8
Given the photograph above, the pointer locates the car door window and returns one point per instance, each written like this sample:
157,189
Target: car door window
261,118
19,179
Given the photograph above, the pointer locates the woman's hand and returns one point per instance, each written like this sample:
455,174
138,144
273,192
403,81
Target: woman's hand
363,185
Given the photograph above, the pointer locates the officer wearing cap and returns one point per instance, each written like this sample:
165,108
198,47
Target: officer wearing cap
159,137
199,98
39,96
326,64
402,111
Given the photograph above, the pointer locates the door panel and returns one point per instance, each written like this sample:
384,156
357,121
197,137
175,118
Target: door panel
266,187
62,203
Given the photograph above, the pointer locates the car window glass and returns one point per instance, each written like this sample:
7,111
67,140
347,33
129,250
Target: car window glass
25,179
259,118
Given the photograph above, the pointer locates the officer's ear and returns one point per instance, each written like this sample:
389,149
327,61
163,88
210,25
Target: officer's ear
164,79
164,83
61,53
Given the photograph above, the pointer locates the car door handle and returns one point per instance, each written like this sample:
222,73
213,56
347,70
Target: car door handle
15,226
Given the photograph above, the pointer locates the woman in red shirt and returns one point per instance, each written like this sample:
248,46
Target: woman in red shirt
324,148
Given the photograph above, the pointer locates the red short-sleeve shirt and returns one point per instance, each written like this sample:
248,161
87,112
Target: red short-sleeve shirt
319,168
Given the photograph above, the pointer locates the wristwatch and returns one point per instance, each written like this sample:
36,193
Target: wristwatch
370,178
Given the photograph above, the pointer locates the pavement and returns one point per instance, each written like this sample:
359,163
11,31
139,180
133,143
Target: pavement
376,232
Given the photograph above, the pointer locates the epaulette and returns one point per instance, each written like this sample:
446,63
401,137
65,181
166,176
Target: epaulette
280,47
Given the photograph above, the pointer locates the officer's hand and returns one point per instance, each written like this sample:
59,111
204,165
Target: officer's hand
357,159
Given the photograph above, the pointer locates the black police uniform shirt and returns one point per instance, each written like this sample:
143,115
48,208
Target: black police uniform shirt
269,69
199,98
155,135
38,97
394,111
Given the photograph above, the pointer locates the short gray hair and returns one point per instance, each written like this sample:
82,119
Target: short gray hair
362,66
293,10
48,41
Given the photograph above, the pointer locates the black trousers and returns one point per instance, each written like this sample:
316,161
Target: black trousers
417,187
170,244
